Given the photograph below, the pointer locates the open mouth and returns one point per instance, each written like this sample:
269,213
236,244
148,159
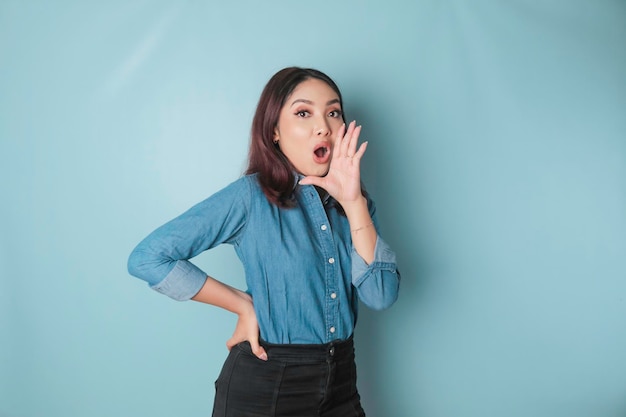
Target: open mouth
321,153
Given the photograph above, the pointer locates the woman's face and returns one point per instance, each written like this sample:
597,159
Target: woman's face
307,125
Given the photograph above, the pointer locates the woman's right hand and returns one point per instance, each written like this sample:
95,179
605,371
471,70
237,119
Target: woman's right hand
247,329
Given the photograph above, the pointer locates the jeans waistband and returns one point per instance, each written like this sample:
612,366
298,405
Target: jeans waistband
335,350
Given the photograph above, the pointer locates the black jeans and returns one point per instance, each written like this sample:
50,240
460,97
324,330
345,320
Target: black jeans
296,381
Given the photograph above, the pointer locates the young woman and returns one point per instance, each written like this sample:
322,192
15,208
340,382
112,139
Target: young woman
306,234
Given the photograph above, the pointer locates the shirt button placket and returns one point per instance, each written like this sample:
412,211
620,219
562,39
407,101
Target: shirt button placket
333,295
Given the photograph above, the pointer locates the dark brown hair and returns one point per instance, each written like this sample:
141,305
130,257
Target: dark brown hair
275,172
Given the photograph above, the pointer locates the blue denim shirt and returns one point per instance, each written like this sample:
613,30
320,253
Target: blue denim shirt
302,272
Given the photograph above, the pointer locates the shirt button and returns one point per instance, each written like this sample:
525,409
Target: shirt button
323,227
332,330
331,260
333,296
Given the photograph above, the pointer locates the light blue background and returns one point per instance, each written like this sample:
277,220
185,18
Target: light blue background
497,158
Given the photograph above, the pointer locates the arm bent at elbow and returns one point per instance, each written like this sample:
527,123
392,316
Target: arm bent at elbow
178,279
162,258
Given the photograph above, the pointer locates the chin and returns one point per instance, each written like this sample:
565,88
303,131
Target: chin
319,171
315,171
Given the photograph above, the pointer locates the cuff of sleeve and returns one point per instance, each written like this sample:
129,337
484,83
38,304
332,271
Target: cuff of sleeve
182,282
384,258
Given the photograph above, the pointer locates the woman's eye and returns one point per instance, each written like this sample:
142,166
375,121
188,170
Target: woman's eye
302,113
335,113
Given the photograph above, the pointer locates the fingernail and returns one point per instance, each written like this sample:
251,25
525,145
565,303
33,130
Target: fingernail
263,356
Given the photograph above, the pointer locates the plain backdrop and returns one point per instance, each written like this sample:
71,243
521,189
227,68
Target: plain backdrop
497,157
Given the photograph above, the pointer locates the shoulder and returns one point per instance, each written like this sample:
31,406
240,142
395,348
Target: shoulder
251,183
243,190
238,192
241,186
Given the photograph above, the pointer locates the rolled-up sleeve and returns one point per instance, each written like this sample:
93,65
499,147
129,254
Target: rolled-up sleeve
162,258
377,283
181,283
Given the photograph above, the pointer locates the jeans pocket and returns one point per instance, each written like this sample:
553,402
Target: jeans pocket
247,385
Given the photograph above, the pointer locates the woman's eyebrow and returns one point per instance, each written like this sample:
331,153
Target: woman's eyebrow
303,100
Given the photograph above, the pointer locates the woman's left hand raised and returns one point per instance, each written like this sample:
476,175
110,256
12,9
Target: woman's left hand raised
343,180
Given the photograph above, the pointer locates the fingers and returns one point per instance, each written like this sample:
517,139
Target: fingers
340,133
361,151
342,146
347,140
258,350
312,180
230,343
354,140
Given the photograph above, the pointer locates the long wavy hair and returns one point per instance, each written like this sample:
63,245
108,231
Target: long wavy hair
275,172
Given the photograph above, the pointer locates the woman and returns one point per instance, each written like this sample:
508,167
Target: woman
306,234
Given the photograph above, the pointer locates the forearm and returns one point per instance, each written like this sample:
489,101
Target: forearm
362,228
377,282
224,296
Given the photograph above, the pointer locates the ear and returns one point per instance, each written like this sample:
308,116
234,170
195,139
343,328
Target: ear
276,136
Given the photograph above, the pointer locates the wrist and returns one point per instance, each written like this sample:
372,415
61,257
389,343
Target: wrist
245,305
354,206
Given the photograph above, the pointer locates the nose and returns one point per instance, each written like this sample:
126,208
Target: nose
322,128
